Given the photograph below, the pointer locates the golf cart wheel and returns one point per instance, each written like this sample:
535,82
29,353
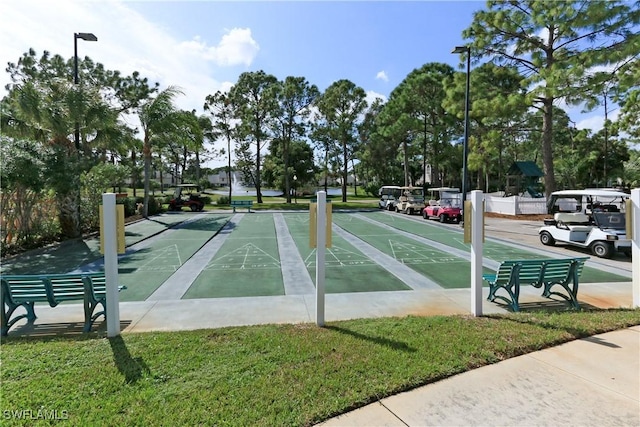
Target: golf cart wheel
397,209
424,215
409,211
602,249
443,218
547,239
193,208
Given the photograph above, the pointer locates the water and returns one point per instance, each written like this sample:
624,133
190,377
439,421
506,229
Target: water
237,189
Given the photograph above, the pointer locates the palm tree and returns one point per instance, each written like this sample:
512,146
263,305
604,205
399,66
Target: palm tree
46,112
157,119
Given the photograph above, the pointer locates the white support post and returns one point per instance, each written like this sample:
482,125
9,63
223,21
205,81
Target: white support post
320,256
477,224
635,245
111,264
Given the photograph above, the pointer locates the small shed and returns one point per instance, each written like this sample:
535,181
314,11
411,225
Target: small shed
524,177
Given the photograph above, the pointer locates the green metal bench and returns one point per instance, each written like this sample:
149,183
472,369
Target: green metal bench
26,290
540,273
241,204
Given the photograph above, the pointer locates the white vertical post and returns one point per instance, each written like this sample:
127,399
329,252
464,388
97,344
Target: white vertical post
635,245
477,224
111,264
320,255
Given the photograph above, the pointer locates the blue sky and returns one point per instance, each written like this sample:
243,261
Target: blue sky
203,46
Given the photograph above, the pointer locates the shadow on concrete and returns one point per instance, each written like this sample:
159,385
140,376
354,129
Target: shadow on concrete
62,329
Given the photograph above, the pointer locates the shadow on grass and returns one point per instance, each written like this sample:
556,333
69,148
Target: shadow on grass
132,368
396,345
527,315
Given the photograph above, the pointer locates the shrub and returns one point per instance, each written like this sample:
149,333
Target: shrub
224,200
372,189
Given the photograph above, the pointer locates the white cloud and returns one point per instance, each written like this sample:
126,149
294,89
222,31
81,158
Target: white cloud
596,122
382,75
372,96
237,47
127,41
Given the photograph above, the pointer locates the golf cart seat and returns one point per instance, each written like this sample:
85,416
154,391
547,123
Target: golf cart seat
576,221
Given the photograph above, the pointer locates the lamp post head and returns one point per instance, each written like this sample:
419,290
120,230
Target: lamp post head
90,37
461,49
295,177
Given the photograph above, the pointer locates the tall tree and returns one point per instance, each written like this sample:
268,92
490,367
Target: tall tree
553,45
254,99
294,97
342,105
157,117
497,117
222,112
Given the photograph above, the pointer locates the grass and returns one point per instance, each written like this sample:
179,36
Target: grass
268,375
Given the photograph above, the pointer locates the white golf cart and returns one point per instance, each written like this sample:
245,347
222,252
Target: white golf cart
411,200
389,194
589,219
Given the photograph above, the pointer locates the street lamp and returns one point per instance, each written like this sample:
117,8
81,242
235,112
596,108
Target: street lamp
90,37
467,50
295,188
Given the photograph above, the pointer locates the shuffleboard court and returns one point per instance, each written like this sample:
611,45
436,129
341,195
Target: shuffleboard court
145,270
157,224
491,250
446,269
346,269
246,265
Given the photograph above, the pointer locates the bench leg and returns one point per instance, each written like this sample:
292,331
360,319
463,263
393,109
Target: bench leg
514,293
234,209
90,305
8,310
572,291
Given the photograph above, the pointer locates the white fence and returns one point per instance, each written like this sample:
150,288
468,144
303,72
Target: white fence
515,205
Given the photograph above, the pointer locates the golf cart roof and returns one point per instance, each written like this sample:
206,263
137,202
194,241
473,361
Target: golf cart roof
186,185
595,192
445,189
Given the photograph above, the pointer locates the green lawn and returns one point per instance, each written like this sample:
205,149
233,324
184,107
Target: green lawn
294,375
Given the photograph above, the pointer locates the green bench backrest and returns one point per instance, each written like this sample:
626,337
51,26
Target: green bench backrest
52,287
534,271
242,202
25,288
67,287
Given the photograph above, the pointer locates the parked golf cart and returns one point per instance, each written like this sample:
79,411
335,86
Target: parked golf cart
588,219
443,205
410,201
191,200
389,194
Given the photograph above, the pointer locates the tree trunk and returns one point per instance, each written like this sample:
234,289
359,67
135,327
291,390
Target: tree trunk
68,214
547,149
345,171
257,178
146,151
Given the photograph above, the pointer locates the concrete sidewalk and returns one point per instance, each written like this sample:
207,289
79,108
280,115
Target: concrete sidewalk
588,382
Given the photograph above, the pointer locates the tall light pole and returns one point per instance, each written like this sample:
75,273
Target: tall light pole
90,37
295,188
465,155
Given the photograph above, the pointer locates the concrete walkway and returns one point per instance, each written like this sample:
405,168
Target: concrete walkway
589,382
